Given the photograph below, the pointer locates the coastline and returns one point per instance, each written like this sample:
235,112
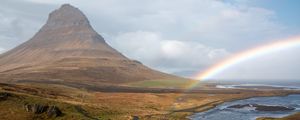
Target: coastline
213,105
294,116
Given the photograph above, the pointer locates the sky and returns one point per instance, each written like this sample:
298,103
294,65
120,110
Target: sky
182,37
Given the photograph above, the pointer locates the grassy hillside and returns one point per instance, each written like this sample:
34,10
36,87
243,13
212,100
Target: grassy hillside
165,83
13,108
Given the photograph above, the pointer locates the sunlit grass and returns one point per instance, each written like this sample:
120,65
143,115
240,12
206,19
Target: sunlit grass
164,83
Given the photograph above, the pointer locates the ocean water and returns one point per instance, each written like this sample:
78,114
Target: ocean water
222,112
260,86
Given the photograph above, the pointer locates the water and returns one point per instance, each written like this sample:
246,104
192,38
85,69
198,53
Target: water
260,86
221,112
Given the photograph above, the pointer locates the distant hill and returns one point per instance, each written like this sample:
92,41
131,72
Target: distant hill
68,50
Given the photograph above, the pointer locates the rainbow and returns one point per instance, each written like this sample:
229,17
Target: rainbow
247,55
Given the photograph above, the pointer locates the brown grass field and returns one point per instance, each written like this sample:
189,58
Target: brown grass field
82,103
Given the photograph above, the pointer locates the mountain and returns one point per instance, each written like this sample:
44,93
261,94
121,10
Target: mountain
68,49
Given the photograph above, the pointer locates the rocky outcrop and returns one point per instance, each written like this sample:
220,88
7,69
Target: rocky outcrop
54,112
51,111
135,118
262,107
84,113
38,109
4,96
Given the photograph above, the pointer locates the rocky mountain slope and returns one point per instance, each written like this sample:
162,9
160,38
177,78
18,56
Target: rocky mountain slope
67,49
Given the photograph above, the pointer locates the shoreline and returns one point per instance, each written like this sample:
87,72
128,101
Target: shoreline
214,104
293,116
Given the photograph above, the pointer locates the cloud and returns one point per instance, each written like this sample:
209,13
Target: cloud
212,22
47,1
282,65
175,36
16,26
2,50
168,55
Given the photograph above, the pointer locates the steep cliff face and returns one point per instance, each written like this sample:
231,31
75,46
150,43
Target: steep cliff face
67,48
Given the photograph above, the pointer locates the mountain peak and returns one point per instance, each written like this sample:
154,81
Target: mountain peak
67,15
67,5
67,48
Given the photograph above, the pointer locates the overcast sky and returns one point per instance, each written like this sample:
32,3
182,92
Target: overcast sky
182,37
